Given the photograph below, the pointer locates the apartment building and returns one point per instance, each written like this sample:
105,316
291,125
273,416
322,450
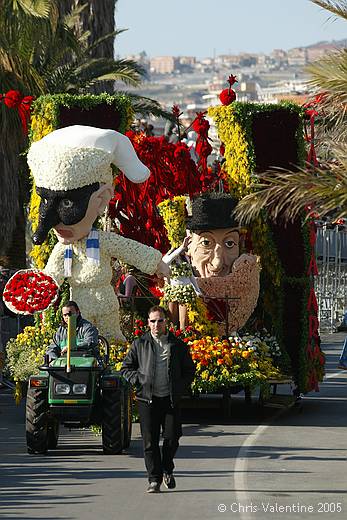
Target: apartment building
297,57
163,64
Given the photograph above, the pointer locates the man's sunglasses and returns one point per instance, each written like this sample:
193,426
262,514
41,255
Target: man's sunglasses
157,321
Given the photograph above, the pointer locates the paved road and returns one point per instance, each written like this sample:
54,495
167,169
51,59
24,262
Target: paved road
249,466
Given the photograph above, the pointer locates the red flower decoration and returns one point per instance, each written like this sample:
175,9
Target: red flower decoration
14,99
231,80
30,291
227,96
156,292
176,111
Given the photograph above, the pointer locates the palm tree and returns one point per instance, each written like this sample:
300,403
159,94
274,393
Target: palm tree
17,21
45,55
324,188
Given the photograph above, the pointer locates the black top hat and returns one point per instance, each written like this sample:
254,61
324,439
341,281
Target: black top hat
212,211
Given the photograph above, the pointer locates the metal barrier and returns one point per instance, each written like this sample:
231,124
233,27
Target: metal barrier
331,282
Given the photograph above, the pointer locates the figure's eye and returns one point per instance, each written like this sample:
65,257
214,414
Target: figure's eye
229,244
66,203
205,242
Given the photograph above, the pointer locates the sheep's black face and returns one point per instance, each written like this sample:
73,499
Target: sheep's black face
67,207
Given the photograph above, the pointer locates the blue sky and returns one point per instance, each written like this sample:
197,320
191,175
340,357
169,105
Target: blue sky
202,27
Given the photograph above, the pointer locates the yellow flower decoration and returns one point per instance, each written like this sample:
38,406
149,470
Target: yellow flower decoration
233,136
173,213
41,125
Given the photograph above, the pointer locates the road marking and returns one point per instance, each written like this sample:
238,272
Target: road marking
241,463
240,468
335,374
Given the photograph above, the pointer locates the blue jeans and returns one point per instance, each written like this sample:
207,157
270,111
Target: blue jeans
343,357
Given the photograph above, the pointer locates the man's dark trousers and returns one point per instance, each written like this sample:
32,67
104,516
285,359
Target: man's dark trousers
153,417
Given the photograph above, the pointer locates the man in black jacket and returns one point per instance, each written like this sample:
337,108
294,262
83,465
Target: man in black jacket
160,367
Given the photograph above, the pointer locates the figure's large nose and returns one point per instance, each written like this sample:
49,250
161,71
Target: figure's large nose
218,258
48,218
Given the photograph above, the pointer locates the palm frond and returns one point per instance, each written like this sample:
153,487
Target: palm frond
57,80
288,193
337,7
329,75
147,106
35,8
104,38
72,18
101,69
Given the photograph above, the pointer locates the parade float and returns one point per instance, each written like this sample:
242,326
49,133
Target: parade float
235,337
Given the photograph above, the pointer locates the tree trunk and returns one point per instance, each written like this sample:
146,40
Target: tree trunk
12,221
15,256
98,18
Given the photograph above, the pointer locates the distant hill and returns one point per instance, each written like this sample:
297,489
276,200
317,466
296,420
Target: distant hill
333,43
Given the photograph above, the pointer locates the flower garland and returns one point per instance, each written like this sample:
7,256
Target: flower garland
48,109
42,121
271,277
314,354
173,213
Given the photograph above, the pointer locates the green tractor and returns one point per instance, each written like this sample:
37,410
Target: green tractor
77,391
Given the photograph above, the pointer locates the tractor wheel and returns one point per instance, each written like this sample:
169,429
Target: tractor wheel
112,435
37,420
127,416
53,434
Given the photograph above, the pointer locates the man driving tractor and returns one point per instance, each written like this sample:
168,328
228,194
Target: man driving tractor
87,336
